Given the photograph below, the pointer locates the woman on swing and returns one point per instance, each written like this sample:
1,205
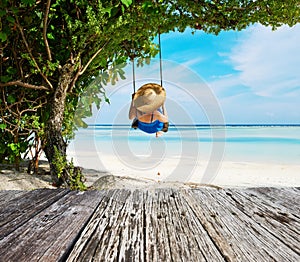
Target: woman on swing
148,109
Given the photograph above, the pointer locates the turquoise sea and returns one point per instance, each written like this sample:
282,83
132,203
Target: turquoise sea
240,143
106,147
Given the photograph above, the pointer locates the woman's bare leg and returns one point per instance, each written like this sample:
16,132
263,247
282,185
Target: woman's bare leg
158,134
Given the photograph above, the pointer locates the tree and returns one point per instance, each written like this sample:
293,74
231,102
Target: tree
52,50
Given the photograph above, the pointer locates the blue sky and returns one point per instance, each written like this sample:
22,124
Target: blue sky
247,77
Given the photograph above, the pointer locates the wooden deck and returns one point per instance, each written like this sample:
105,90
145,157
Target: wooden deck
205,224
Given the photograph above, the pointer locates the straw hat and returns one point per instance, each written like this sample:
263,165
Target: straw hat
149,97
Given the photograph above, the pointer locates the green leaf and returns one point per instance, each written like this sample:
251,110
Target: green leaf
11,70
2,126
5,79
122,76
11,99
127,3
50,36
80,123
28,2
14,147
2,13
107,100
108,11
3,36
10,19
39,14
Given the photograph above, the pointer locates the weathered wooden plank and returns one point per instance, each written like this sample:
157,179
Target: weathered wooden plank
238,236
118,241
50,234
19,210
199,241
133,239
144,226
7,195
114,232
157,237
159,225
288,197
277,242
211,220
173,232
278,220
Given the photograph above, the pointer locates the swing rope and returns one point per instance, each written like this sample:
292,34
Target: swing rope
133,73
160,66
160,61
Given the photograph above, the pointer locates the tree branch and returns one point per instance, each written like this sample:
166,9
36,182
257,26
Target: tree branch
93,57
80,72
26,85
75,77
29,51
45,29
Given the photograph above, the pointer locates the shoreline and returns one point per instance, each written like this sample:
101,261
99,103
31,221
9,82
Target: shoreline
229,175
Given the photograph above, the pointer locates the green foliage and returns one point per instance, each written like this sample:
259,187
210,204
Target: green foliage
11,147
76,178
71,176
15,150
28,2
3,36
127,3
59,163
18,121
10,152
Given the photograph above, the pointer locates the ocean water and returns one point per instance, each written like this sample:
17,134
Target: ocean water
276,144
184,152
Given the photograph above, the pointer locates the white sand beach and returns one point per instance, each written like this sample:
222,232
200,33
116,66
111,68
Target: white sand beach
229,174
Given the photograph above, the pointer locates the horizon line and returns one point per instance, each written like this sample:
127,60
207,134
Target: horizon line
207,125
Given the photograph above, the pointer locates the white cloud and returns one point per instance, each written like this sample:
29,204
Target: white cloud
194,61
268,60
221,83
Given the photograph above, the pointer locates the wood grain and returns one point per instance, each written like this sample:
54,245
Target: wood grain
169,224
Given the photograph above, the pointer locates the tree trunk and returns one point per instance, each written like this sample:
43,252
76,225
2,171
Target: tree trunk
55,142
